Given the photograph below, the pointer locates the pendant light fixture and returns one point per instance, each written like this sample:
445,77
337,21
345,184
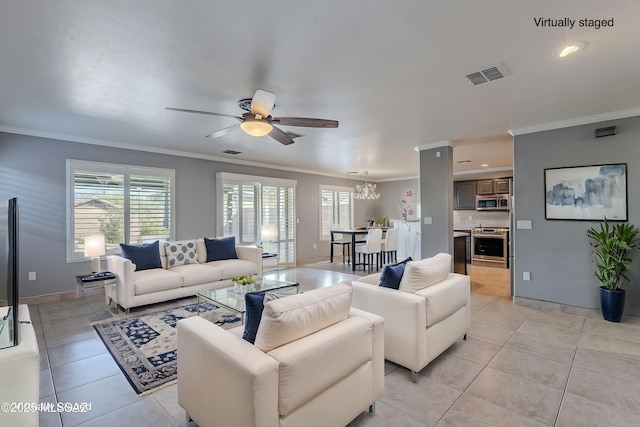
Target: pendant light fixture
366,191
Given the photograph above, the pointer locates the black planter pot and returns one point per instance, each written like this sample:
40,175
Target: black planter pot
612,304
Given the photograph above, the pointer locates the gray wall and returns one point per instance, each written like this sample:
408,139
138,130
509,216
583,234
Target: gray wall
391,194
34,169
436,198
557,252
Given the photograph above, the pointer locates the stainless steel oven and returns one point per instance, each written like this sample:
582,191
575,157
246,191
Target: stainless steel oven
490,246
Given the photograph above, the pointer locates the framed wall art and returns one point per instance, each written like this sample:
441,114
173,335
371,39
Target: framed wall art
588,193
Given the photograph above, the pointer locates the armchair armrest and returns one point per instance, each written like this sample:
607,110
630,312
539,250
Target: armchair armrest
224,380
445,298
251,253
405,320
123,268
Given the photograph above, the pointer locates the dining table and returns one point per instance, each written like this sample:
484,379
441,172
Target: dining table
354,233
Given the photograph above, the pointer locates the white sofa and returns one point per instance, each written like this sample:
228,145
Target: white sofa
419,324
314,375
20,375
135,288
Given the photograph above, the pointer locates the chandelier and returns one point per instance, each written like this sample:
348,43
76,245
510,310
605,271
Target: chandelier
366,191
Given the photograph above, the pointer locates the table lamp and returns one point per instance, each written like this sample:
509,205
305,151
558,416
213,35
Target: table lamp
94,248
268,233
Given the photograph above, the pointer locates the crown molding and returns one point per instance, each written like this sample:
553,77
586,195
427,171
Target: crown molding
431,145
614,115
114,144
486,170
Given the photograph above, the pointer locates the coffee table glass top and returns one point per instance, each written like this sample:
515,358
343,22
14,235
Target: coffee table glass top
230,298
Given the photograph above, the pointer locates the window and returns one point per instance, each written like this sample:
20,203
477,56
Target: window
336,209
127,204
248,206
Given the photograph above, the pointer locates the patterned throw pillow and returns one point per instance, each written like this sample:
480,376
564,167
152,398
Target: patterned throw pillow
181,253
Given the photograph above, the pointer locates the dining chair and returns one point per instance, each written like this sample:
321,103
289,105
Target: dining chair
339,239
389,246
369,248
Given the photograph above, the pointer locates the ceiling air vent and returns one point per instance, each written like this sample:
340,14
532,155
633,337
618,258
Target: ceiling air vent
233,152
487,75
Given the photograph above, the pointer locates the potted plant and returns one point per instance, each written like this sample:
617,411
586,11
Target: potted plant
612,244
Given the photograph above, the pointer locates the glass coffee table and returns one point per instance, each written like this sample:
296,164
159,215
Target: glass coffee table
233,300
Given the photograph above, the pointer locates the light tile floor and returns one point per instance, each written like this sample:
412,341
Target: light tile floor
519,366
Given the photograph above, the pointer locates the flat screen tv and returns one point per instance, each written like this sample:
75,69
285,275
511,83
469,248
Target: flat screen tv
9,304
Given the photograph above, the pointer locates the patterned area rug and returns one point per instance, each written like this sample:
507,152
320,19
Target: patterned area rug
144,347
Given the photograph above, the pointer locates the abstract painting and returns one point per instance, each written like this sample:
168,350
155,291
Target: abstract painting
588,193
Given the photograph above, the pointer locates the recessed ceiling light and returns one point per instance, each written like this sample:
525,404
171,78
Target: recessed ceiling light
484,165
568,49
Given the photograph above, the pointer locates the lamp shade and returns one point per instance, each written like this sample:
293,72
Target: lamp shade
94,245
268,232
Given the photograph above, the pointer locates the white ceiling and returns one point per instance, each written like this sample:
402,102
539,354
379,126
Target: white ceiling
391,72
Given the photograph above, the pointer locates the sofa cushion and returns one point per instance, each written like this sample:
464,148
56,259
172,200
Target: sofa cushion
288,319
426,272
181,253
223,248
145,256
234,267
254,306
198,274
392,274
154,280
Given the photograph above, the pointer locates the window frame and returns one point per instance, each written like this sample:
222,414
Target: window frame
335,189
126,171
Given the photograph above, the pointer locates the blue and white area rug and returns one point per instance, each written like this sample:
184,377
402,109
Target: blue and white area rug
144,347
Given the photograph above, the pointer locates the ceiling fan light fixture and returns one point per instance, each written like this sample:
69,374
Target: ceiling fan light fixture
256,127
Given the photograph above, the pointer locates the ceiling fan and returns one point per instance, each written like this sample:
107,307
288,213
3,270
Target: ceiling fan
257,121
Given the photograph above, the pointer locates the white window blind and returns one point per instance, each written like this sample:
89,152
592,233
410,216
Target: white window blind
336,210
250,204
127,204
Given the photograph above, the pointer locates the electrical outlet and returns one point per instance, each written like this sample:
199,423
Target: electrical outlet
315,246
526,276
32,275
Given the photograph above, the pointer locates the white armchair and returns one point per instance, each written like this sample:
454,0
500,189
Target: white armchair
418,324
224,380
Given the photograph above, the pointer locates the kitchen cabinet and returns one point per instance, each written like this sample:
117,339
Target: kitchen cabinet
502,186
464,195
459,253
485,187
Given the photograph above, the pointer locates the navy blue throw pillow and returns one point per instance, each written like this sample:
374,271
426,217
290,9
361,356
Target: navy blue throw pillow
219,249
254,305
392,274
145,257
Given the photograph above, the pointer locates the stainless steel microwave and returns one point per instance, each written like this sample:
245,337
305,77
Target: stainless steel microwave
493,203
487,203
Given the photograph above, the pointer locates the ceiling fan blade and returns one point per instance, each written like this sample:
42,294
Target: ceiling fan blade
208,113
223,131
281,136
306,122
262,102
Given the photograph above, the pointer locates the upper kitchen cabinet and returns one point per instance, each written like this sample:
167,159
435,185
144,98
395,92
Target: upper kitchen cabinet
464,195
502,186
484,187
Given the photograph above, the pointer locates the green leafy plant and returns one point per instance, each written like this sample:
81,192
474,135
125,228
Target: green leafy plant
244,280
612,244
